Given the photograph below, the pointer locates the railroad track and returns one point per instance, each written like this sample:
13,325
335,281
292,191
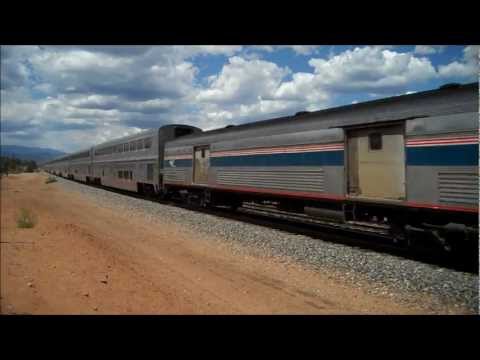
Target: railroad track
369,237
378,230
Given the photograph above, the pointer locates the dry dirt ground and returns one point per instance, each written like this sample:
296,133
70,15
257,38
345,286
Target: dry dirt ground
85,259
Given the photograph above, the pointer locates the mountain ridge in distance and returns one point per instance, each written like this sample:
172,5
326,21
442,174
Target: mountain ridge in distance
38,154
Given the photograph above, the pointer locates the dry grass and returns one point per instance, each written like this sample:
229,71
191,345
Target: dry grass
50,179
26,219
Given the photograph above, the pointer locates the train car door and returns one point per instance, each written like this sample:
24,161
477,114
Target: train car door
376,162
201,163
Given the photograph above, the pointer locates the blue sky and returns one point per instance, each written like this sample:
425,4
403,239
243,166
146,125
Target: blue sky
72,97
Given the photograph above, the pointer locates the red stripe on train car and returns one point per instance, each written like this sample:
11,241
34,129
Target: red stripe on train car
302,194
279,149
469,137
441,141
260,191
441,207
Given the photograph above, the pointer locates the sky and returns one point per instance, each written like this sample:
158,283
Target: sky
72,97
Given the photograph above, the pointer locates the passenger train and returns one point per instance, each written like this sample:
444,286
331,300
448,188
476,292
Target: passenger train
407,163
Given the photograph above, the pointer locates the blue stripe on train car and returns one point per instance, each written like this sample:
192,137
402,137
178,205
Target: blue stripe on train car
324,158
177,163
450,155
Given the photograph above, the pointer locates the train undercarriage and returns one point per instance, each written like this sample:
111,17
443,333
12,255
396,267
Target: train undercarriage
450,231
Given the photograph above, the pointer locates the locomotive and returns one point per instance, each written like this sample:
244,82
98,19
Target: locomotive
407,163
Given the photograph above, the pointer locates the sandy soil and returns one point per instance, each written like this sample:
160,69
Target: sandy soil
84,259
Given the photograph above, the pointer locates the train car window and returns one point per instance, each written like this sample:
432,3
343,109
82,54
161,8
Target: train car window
139,144
148,143
120,174
375,141
133,146
125,147
179,131
203,153
131,175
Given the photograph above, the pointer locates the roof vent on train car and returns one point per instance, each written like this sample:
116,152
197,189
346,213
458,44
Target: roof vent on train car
302,113
450,86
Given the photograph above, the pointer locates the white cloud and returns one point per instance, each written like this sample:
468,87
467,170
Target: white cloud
194,50
267,48
371,68
256,89
242,89
298,49
466,68
429,49
304,49
143,77
243,81
368,69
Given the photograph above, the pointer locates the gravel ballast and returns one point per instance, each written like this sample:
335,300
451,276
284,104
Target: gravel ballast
434,288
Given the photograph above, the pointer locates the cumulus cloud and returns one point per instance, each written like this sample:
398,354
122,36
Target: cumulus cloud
246,89
371,68
243,80
243,88
466,68
15,70
83,72
297,49
428,49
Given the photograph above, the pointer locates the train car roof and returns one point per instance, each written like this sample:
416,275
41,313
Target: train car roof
424,101
139,134
126,138
66,156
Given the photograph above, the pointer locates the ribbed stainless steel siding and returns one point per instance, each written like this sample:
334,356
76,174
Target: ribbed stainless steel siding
458,186
282,179
174,175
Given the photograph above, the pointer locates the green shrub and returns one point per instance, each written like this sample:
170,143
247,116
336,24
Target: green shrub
50,180
26,219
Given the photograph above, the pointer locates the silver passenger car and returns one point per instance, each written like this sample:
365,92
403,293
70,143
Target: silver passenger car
130,163
79,165
133,162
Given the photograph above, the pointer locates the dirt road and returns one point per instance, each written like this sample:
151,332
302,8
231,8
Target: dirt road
85,259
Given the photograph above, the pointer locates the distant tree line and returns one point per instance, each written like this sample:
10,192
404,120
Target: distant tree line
10,164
